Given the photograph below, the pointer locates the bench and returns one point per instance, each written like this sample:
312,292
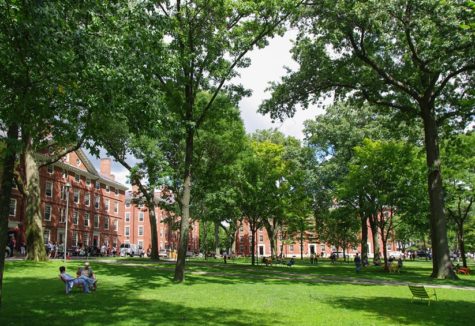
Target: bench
418,291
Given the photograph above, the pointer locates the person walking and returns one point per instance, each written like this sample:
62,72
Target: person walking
357,262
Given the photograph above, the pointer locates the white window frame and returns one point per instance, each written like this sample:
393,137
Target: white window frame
127,231
97,202
14,207
49,189
116,191
75,217
108,188
106,222
47,216
62,215
139,229
97,185
107,204
85,239
86,219
77,177
97,221
127,217
141,216
77,193
116,207
87,199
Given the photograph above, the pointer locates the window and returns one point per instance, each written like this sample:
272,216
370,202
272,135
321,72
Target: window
86,219
98,185
88,182
77,177
127,204
97,202
141,216
12,207
64,193
261,238
108,188
140,243
50,169
106,223
116,207
140,231
127,231
78,162
96,221
87,199
75,238
46,235
76,196
127,217
49,189
85,239
65,174
106,205
291,247
47,213
116,225
75,217
62,215
116,191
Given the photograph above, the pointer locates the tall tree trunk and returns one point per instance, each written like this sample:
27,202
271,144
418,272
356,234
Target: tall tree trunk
271,234
205,240
35,247
364,236
217,248
153,228
185,208
8,158
440,246
461,242
374,230
253,230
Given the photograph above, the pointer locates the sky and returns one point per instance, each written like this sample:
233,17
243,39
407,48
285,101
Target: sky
266,65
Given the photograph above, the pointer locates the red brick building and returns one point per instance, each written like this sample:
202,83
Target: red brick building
136,227
96,204
289,248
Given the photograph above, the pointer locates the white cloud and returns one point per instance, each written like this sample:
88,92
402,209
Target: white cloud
268,65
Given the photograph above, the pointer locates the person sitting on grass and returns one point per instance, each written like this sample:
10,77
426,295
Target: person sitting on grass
291,262
71,281
88,275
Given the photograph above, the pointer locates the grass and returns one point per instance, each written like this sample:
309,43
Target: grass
138,292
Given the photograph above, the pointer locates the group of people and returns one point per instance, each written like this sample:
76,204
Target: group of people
359,262
85,278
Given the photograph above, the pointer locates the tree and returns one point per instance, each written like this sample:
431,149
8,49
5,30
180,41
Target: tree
205,42
385,172
408,56
459,162
44,47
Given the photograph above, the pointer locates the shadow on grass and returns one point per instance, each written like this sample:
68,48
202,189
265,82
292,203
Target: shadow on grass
401,311
43,302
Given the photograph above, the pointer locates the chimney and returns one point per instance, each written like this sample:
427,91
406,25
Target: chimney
106,167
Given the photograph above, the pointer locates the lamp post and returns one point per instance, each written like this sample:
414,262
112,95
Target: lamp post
66,190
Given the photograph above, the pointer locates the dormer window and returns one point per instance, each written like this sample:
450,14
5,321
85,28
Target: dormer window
78,162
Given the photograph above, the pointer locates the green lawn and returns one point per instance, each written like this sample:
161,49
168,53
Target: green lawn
138,292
